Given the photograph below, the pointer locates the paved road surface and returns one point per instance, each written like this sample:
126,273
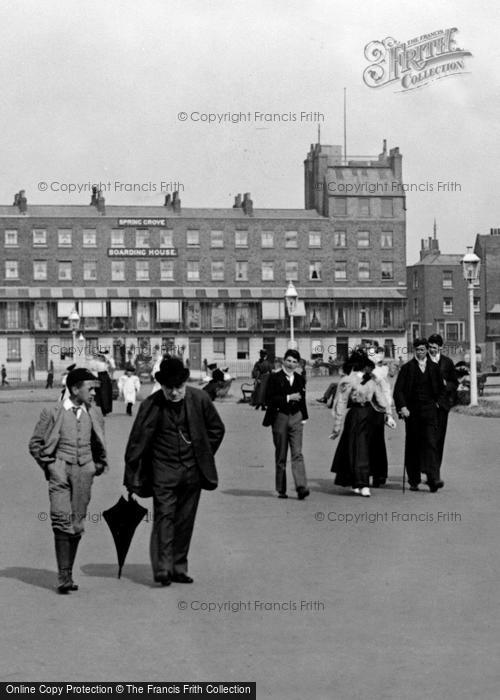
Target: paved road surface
286,593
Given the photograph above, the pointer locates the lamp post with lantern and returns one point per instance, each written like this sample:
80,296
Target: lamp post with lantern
471,265
291,297
74,323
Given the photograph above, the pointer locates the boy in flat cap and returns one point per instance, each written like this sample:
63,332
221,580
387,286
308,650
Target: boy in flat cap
68,444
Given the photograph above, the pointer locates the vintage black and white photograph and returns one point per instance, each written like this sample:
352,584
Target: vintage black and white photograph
249,349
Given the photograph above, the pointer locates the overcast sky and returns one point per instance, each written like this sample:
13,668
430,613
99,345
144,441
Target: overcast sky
91,91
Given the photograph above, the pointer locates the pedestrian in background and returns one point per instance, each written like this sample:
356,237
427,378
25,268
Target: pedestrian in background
129,386
64,376
68,444
418,393
352,405
260,374
450,378
286,414
378,451
50,376
104,390
215,383
4,376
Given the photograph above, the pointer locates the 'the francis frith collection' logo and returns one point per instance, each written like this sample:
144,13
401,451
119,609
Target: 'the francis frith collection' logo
416,62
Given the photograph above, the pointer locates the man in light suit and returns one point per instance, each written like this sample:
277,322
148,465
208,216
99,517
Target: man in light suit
450,379
287,413
68,444
170,456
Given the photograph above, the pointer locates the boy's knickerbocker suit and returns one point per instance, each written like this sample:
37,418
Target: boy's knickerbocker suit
68,443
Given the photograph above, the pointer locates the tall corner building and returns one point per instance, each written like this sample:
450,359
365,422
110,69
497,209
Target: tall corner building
438,298
209,283
487,302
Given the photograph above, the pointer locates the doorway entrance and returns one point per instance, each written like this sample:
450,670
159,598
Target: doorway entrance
195,353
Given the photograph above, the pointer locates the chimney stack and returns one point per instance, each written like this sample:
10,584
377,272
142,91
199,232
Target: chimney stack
93,199
21,202
101,202
237,202
176,202
167,202
247,204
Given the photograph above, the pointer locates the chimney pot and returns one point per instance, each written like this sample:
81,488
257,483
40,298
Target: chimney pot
176,202
101,203
22,202
247,205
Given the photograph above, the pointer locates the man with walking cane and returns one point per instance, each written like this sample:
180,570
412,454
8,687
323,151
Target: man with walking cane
418,393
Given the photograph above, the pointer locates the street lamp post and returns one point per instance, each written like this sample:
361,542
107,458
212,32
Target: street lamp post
470,265
291,297
74,322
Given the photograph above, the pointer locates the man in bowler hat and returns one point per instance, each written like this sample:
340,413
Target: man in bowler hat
170,456
68,444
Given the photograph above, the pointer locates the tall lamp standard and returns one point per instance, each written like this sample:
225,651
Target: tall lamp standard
291,297
74,323
470,265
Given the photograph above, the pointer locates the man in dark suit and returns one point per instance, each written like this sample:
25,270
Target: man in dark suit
449,374
287,413
170,456
418,394
68,444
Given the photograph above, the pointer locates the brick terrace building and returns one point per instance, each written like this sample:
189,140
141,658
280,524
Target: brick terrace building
438,299
488,318
209,283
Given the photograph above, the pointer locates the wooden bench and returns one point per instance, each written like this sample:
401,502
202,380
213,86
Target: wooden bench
247,390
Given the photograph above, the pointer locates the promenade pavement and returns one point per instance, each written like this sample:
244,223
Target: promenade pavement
336,596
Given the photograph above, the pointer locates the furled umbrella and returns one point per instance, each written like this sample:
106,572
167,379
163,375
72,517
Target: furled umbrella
123,519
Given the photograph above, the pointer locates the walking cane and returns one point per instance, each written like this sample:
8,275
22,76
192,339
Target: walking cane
404,463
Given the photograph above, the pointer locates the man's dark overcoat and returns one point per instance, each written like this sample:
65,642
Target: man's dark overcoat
449,373
404,391
421,427
206,432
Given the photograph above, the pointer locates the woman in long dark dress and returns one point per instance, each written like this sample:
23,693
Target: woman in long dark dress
353,402
104,390
261,373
